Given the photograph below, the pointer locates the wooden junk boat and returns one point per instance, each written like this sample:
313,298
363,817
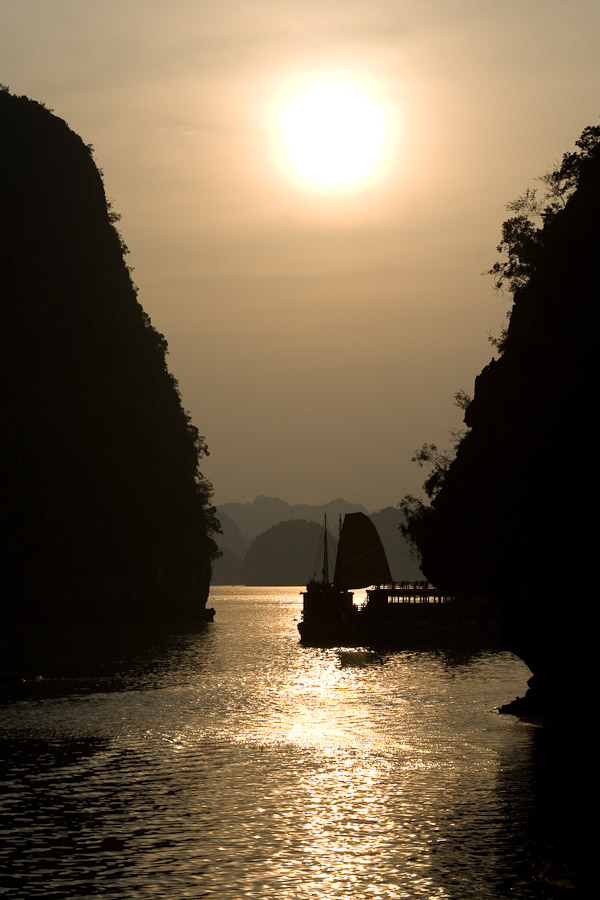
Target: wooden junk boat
401,614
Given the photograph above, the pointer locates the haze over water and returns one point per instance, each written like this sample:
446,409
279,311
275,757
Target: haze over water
235,763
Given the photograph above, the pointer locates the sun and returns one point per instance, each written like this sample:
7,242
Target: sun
334,135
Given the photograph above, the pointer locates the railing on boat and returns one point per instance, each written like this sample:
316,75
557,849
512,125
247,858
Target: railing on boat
410,592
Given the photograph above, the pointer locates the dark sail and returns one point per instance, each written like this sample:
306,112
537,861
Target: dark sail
361,559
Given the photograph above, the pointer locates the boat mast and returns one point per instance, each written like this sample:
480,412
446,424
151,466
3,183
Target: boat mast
325,556
339,547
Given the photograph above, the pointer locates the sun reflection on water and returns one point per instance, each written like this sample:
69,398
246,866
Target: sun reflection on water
356,819
352,836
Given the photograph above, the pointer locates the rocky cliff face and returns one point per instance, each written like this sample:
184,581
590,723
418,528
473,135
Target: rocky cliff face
513,519
106,511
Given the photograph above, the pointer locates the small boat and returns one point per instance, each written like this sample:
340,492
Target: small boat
395,614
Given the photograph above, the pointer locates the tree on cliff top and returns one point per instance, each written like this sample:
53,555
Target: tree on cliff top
107,512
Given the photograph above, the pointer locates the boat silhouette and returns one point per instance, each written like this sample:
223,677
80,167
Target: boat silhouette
395,613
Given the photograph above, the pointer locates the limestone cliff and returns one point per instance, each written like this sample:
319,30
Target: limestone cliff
513,518
106,512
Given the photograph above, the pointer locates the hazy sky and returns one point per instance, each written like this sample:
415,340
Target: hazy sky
318,336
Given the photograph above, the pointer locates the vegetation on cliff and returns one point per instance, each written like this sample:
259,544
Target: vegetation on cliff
106,511
507,516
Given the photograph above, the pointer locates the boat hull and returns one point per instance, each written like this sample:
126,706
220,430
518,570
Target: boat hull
399,619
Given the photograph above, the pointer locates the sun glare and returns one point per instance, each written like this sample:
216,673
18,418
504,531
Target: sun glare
334,135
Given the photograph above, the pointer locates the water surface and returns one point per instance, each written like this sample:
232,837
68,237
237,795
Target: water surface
234,763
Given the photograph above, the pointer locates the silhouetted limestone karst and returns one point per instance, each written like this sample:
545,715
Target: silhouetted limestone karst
227,569
230,537
512,518
284,554
105,510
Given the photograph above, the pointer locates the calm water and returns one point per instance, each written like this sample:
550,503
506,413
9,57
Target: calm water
234,763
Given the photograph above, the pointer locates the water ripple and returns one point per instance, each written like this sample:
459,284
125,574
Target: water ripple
236,764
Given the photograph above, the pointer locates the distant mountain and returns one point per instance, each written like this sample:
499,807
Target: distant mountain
227,569
231,537
254,518
403,565
270,560
284,554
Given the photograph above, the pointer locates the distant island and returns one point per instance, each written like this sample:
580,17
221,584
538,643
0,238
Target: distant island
272,542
